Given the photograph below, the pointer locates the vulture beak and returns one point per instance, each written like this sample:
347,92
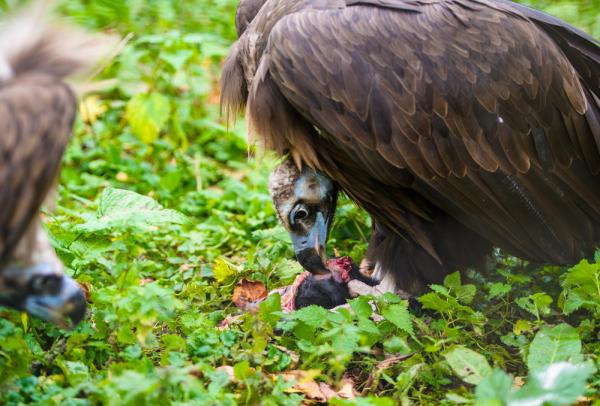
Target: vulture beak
310,247
44,293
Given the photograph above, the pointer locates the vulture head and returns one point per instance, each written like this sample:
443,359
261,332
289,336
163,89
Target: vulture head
305,201
33,280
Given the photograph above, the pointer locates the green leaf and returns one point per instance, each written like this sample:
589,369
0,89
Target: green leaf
314,316
399,315
120,209
494,389
466,293
241,370
469,365
452,281
554,344
434,301
270,308
367,401
557,384
537,304
76,372
222,271
463,293
147,114
362,307
581,288
498,290
177,59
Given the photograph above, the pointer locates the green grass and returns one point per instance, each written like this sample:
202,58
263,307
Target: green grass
160,281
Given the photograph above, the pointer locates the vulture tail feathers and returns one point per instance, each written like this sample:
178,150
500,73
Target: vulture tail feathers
32,41
234,91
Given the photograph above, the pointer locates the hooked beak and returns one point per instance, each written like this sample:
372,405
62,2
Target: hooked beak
310,248
61,302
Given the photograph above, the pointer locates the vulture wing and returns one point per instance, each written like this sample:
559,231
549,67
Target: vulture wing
36,116
485,110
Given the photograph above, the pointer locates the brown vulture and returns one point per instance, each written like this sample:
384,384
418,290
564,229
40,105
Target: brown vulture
37,110
457,124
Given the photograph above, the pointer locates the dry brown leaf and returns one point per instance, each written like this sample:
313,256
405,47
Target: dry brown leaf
295,358
585,401
247,292
327,391
388,362
146,281
305,384
229,321
86,290
346,389
518,381
228,369
186,267
381,366
318,391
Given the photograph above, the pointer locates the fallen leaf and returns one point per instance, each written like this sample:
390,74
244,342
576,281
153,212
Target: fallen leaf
247,292
346,389
86,290
229,321
91,108
186,267
295,358
305,384
122,177
318,391
585,401
146,281
383,365
518,381
228,369
327,391
388,362
196,372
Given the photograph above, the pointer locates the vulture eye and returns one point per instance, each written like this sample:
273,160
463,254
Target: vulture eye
46,284
300,213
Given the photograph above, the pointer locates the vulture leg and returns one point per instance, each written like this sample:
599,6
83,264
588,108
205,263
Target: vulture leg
413,269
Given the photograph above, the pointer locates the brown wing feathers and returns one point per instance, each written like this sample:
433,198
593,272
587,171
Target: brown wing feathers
37,115
37,110
484,110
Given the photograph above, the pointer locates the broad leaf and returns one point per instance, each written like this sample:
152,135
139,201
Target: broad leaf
537,304
550,345
557,384
123,209
398,315
147,114
582,288
494,389
469,365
